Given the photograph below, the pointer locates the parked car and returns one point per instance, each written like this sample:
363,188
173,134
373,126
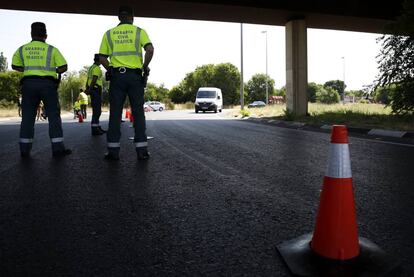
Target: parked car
154,105
256,104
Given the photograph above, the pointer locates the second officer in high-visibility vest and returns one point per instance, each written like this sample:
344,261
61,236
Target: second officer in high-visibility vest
123,45
40,63
94,89
84,101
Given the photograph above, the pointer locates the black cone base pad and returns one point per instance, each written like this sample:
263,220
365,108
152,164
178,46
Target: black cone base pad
302,261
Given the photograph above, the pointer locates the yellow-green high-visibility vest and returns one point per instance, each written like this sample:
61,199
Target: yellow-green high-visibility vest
38,59
123,44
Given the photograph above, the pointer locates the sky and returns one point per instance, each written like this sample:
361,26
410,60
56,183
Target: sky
182,45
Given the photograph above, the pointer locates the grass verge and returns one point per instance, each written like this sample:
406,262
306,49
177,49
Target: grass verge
353,115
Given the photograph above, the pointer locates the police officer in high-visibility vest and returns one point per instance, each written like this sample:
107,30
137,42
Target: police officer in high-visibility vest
40,63
94,89
123,45
84,101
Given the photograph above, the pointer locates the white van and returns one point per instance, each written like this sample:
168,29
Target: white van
209,99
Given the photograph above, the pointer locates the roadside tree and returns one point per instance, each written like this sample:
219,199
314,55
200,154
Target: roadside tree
396,61
327,95
3,63
256,87
9,87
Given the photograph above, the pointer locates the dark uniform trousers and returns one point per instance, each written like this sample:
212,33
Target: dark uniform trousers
96,101
123,84
34,90
83,110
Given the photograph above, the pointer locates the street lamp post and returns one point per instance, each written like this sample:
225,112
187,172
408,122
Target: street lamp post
241,69
267,89
343,77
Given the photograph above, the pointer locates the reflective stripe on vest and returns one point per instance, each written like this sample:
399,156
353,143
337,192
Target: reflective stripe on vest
126,53
90,76
47,66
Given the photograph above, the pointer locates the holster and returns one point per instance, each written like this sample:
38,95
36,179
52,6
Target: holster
108,74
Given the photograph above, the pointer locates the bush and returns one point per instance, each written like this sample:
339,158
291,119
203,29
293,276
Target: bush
169,105
383,95
289,115
363,101
245,113
312,90
4,104
327,95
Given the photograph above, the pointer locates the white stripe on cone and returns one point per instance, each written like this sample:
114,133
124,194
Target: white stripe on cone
339,165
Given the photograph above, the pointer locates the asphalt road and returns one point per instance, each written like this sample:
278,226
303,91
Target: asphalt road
215,199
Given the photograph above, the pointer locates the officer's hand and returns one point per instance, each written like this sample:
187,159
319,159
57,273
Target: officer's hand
146,71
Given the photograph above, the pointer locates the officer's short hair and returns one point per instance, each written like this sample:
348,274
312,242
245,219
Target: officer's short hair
125,11
38,29
96,57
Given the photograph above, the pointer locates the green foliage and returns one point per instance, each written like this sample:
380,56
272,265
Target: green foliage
169,105
70,86
356,93
256,87
155,93
281,91
245,113
313,88
396,61
224,76
383,95
327,95
3,63
337,85
289,115
10,86
177,94
363,101
4,104
402,98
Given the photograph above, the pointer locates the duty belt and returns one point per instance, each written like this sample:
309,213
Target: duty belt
34,77
123,70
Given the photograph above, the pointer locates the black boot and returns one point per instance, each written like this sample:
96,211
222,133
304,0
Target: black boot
62,153
96,131
102,130
143,154
111,156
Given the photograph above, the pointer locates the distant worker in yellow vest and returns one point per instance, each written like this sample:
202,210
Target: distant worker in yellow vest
123,45
94,89
76,109
84,101
40,63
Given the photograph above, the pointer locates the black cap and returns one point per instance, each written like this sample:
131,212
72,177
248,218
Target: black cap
126,10
96,57
38,29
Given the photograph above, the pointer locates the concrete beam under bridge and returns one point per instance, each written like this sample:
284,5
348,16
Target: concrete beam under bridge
296,67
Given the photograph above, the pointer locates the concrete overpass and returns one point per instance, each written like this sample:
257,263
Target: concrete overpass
295,15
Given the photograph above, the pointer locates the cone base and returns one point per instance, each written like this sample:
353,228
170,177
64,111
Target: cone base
302,261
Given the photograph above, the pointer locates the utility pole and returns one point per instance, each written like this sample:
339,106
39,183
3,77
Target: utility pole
343,78
241,68
267,85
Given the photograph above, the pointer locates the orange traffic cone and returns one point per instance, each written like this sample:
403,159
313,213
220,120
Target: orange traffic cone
80,117
336,232
334,249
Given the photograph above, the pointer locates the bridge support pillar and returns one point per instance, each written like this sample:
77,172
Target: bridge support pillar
296,67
